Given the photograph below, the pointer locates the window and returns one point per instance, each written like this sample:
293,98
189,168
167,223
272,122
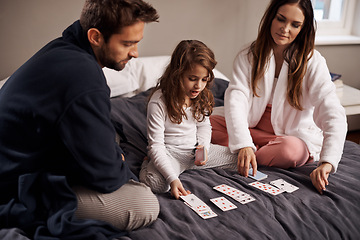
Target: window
335,18
328,10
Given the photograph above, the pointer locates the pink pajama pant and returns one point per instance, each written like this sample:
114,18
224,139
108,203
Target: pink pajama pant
277,151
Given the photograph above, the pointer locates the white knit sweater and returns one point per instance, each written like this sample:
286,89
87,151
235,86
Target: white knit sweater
321,125
162,132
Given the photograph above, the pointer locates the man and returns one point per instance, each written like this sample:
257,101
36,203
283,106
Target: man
61,170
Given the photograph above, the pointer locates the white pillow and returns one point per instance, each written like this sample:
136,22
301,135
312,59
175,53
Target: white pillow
122,82
218,74
152,69
2,82
139,75
220,111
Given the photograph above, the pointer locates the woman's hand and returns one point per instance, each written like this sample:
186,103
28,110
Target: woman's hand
319,177
204,155
177,189
246,157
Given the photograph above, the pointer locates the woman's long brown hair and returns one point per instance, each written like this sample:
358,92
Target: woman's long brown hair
185,56
296,55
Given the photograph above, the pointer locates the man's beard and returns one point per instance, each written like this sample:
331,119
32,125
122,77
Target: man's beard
106,61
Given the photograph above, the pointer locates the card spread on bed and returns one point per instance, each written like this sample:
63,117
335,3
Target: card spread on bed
303,214
198,206
266,188
223,203
240,196
283,185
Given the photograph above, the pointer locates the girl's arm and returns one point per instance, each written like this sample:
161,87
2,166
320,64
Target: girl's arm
204,133
177,189
156,116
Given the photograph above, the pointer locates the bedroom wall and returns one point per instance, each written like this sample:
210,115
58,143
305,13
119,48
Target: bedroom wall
27,25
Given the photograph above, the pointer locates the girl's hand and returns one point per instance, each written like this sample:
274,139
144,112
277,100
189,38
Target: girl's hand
204,156
177,189
319,177
246,157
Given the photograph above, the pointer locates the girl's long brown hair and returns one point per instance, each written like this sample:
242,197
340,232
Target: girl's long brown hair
185,56
296,55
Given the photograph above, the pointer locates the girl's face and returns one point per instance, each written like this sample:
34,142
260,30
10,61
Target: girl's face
287,24
194,82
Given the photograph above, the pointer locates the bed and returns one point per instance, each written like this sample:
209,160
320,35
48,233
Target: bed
303,214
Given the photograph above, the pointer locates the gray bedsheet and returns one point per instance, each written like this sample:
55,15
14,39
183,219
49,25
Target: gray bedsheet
303,214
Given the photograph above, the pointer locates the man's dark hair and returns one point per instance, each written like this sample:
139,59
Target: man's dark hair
110,16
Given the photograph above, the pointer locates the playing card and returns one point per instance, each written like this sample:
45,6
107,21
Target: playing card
258,176
204,213
266,188
194,202
234,193
283,185
200,155
198,206
245,198
223,203
207,214
227,190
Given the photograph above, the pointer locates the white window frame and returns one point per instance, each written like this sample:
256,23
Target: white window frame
342,31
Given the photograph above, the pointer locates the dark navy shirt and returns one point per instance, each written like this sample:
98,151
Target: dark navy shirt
55,119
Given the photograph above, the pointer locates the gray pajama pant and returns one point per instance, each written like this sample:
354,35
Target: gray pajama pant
218,156
132,206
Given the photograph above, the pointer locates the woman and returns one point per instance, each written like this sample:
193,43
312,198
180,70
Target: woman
281,107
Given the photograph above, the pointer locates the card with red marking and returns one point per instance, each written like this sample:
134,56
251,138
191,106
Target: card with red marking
207,214
283,185
266,188
236,194
230,191
223,203
198,206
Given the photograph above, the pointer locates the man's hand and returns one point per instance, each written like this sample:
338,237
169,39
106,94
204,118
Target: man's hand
319,177
246,157
177,189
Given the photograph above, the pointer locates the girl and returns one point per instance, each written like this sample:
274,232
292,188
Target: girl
281,89
178,120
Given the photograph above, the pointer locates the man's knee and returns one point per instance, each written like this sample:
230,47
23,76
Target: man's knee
131,206
144,208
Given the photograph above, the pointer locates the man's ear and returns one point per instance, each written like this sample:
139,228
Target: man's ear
95,37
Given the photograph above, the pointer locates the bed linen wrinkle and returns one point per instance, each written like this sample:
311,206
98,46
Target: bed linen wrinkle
303,214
